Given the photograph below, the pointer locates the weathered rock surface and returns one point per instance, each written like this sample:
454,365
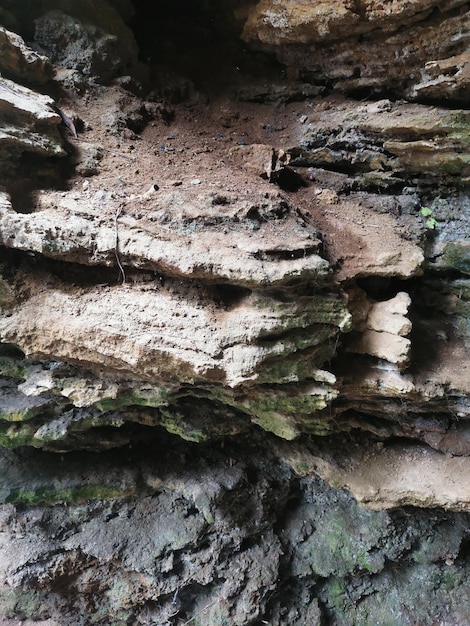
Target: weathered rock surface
384,330
214,544
21,62
97,45
415,49
29,122
394,476
376,139
265,242
234,318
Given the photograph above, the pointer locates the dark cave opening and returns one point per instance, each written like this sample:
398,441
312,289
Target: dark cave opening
198,39
186,24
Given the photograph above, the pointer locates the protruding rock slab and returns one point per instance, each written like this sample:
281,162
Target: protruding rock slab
385,328
422,138
410,476
383,345
28,121
153,334
297,22
350,44
251,239
21,62
390,315
384,478
445,77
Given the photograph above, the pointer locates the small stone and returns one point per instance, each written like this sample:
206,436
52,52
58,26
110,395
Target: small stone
195,181
256,158
89,159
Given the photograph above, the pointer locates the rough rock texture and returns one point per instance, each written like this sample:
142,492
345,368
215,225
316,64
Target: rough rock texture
21,62
417,48
83,49
209,538
82,228
29,122
234,314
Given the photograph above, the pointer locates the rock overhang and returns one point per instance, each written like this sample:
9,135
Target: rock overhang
290,454
235,260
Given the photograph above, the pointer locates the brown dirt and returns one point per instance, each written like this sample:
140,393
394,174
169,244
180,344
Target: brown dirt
195,150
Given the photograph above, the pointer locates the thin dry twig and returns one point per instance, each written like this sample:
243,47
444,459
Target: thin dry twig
122,273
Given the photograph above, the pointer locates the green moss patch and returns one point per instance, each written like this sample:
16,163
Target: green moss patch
50,495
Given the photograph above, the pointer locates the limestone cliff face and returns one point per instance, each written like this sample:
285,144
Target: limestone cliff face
416,49
234,313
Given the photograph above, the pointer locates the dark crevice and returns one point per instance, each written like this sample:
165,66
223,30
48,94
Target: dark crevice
291,504
464,551
382,288
11,351
287,255
456,103
359,8
229,295
294,333
85,276
403,442
288,179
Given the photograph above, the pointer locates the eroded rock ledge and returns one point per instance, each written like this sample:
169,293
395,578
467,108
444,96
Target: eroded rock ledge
236,320
415,49
235,293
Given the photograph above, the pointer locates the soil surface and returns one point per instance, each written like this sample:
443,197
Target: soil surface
199,145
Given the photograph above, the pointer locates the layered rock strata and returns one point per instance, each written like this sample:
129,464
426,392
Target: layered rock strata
415,49
262,315
225,326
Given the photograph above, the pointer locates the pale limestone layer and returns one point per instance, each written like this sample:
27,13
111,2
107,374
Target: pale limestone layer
410,476
28,121
152,334
250,240
385,478
278,22
19,60
416,47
